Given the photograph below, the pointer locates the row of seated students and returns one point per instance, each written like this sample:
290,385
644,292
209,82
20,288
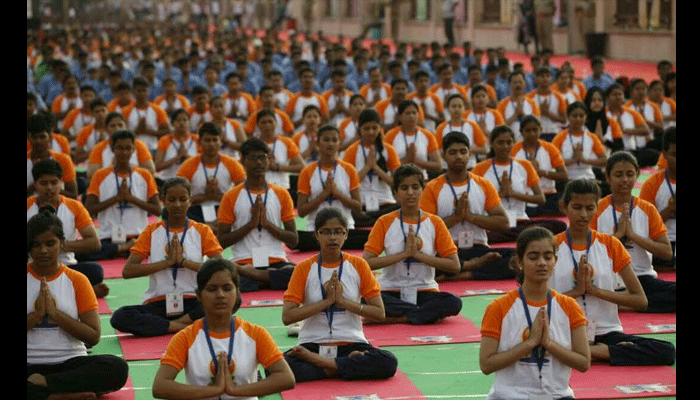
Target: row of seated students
406,292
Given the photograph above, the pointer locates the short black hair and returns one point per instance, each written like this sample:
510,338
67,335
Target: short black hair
452,138
47,166
125,134
254,144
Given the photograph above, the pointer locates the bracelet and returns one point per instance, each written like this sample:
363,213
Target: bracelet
360,310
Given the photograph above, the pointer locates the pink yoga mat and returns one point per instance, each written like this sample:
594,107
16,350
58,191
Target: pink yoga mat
125,393
137,348
113,268
262,298
396,387
473,288
454,329
667,276
635,323
603,381
103,307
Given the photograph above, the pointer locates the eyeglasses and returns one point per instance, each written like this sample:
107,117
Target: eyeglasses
335,232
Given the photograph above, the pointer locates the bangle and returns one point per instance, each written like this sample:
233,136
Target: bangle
360,310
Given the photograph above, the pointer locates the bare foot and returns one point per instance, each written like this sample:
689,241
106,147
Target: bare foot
357,353
101,290
302,353
124,247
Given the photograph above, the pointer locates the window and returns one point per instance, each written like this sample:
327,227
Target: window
420,10
332,8
492,11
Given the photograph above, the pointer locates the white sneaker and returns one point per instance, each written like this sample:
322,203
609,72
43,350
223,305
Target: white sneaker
293,329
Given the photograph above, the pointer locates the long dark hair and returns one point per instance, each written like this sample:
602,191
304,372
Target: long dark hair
371,115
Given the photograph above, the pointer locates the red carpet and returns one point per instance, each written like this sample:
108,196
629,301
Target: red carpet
137,348
603,381
455,329
396,387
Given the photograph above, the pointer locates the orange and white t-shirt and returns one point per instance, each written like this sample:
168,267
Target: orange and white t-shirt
389,112
349,131
668,108
490,90
74,217
547,156
115,106
297,103
103,155
234,210
69,173
522,177
646,222
371,185
468,128
152,245
198,117
368,92
505,321
303,141
491,118
658,190
444,92
592,148
154,115
244,103
88,137
332,99
179,101
59,144
62,103
630,119
228,132
650,111
76,120
438,198
312,180
388,235
104,185
283,125
557,106
48,343
607,257
252,345
283,149
507,109
170,145
431,104
227,172
423,139
305,288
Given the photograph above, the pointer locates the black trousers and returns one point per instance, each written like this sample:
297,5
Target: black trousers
374,364
279,278
642,351
661,295
430,306
98,374
150,319
494,270
510,235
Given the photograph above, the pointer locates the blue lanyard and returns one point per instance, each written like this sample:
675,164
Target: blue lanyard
573,259
670,188
182,240
252,203
330,198
214,359
204,167
330,310
405,141
454,193
122,204
364,154
495,172
410,259
537,149
571,140
538,352
614,213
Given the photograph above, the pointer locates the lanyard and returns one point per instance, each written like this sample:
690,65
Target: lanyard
614,213
214,359
122,204
182,240
370,174
330,310
537,149
410,259
670,188
204,167
252,203
330,198
571,140
454,193
405,141
498,179
538,352
573,259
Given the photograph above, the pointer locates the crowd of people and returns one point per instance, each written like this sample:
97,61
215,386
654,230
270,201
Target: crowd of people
419,156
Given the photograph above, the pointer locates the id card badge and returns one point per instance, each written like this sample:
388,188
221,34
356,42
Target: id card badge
372,203
590,331
328,351
118,234
261,257
409,295
174,304
512,218
209,213
466,240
